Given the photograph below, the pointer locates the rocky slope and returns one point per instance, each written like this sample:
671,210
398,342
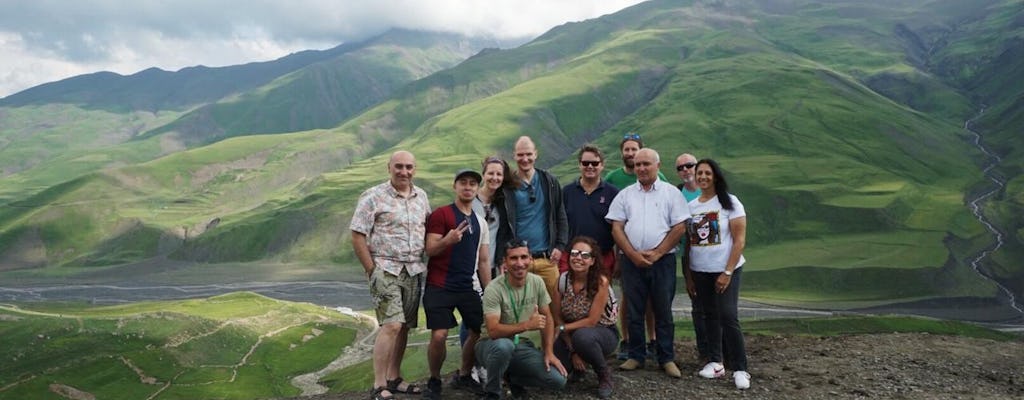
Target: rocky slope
881,366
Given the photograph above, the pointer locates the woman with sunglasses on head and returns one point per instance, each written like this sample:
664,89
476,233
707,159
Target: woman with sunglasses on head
584,312
717,235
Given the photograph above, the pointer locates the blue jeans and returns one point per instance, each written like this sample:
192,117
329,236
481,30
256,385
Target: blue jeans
523,363
658,283
721,318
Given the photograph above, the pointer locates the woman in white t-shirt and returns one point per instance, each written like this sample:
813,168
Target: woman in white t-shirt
717,234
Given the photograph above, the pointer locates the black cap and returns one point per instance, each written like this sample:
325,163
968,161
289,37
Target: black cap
466,171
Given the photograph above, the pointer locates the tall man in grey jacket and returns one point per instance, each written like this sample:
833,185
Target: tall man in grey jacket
533,211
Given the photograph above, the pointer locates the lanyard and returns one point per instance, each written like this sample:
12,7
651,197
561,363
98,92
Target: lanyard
515,309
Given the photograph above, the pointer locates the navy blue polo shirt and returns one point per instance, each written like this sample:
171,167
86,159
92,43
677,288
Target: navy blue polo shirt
586,212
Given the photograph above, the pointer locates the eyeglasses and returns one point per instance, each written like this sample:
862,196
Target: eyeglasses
688,165
531,193
581,254
631,136
590,163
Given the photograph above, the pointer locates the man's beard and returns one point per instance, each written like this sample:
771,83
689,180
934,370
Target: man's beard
628,162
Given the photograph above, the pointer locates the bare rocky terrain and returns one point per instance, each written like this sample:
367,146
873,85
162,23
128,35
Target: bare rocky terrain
878,366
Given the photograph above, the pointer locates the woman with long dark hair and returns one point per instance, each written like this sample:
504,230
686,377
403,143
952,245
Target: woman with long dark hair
489,199
717,236
584,312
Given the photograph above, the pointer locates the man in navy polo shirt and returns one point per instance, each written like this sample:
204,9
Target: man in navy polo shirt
586,204
457,243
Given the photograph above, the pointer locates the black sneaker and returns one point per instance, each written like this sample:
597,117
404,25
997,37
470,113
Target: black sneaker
518,392
433,389
467,383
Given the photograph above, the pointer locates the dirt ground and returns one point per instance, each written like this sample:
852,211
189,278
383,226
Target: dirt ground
879,366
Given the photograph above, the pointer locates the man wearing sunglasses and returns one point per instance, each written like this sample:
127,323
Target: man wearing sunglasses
533,211
586,203
625,176
686,164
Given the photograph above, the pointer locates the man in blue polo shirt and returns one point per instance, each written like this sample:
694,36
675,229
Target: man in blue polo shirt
586,204
457,242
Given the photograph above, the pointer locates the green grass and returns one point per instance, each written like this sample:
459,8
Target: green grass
811,112
198,346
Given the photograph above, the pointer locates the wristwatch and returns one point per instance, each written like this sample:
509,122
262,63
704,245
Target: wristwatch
561,328
728,273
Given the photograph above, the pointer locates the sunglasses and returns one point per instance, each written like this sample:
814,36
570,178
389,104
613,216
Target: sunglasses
631,136
516,243
581,254
590,163
681,167
531,193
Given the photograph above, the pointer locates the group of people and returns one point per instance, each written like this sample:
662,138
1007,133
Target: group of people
522,258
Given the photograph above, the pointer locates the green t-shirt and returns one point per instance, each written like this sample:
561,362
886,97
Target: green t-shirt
620,179
499,296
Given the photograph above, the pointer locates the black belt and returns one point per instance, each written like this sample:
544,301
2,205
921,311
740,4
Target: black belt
540,254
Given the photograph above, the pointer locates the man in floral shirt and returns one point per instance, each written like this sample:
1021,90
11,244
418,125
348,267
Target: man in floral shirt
388,231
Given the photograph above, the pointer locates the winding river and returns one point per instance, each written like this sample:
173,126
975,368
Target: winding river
975,204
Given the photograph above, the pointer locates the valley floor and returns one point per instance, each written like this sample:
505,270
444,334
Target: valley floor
888,366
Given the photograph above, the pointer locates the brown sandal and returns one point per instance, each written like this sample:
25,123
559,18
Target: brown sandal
378,394
410,388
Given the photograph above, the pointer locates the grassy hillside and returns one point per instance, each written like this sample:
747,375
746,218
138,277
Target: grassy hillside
325,93
839,124
235,346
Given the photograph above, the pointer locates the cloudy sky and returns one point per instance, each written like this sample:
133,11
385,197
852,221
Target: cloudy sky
47,40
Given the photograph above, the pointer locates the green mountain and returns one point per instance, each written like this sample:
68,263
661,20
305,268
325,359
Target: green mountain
840,124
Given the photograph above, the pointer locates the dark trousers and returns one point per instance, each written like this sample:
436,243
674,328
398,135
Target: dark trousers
593,345
721,318
657,283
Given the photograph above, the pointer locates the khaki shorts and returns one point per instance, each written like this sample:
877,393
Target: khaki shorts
396,298
548,271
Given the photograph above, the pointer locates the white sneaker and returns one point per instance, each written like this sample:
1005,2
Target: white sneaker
480,374
742,379
712,370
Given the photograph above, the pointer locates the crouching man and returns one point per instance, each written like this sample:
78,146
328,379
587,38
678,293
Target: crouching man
515,303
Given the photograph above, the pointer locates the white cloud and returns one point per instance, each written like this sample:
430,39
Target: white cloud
48,40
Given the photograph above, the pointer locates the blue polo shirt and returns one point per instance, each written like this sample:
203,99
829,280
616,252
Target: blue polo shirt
586,212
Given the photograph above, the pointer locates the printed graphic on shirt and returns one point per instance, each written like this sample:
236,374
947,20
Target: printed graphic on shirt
704,230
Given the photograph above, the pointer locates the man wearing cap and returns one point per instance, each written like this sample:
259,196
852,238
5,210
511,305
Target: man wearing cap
533,211
516,303
388,229
457,244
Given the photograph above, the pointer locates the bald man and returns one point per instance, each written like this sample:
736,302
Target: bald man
389,226
533,211
648,219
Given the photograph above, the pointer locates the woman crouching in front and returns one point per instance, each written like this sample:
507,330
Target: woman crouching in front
585,312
